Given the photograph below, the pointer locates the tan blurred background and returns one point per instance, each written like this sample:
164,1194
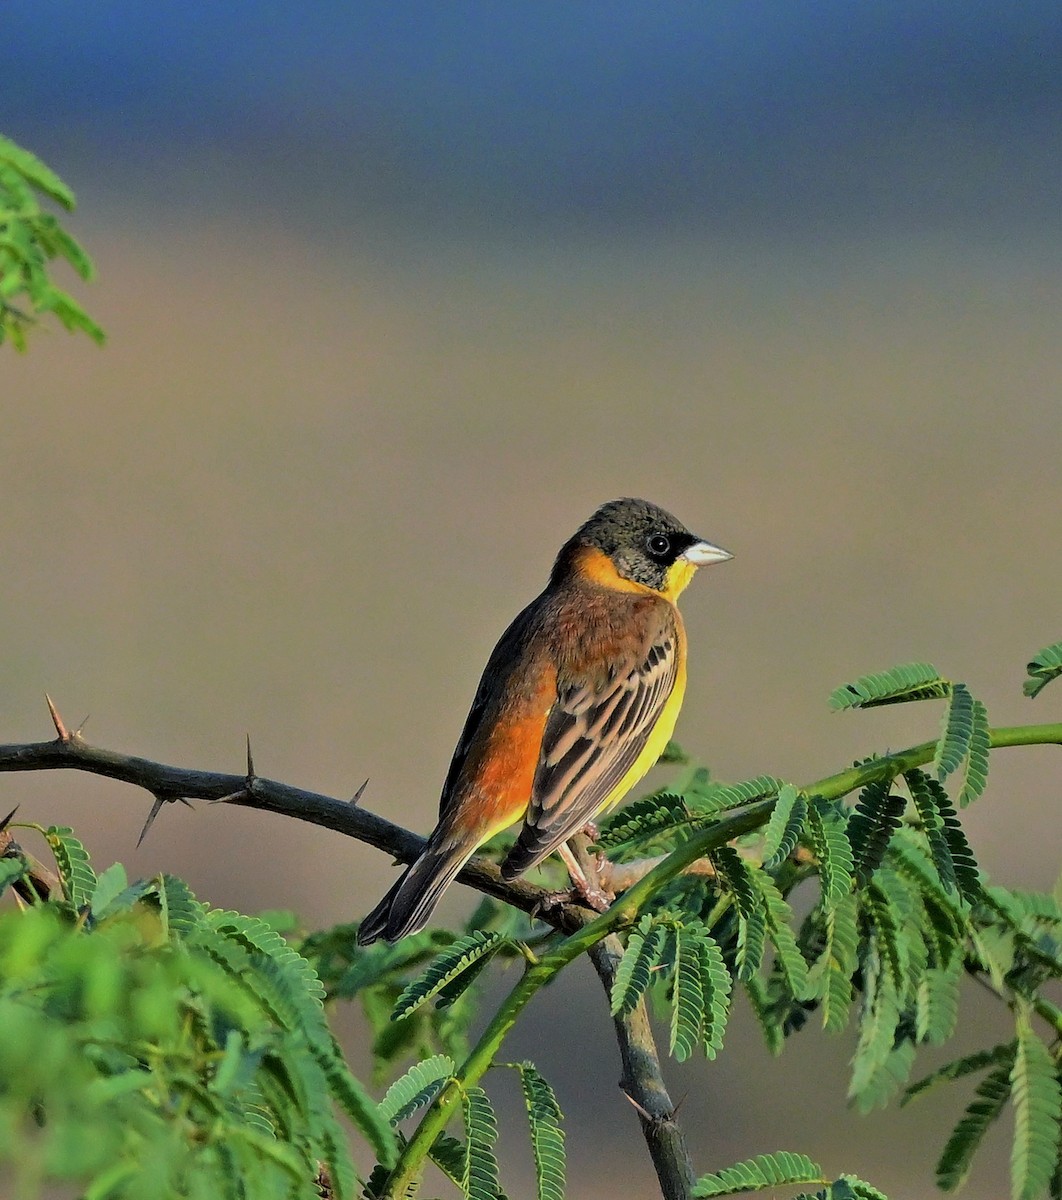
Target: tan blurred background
395,298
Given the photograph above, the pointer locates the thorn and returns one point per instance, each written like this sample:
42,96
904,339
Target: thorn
643,1112
84,722
359,793
186,802
250,764
156,808
57,720
7,820
231,796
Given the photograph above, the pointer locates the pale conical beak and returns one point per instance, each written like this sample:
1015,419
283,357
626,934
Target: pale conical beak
703,554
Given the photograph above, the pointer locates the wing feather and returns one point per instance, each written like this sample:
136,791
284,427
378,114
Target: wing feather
591,740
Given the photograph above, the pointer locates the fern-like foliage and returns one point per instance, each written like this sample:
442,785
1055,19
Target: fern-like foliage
956,1158
974,771
480,1176
645,948
876,817
72,862
1043,668
827,827
785,826
450,973
912,681
756,1174
417,1088
643,818
1037,1114
547,1136
950,850
953,744
736,877
959,1068
700,993
32,238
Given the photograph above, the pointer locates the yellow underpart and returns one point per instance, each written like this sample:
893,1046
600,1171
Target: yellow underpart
660,736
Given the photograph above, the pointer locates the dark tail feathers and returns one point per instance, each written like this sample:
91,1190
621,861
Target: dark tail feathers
409,904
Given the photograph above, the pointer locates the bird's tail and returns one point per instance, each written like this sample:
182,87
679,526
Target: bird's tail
409,904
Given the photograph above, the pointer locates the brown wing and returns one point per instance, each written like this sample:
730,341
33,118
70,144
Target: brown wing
592,739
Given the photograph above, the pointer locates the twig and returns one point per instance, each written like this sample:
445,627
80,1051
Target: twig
643,1084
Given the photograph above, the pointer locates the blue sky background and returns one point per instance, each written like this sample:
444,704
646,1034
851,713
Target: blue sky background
742,117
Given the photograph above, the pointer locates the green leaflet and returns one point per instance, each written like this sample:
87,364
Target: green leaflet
948,846
975,767
417,1088
876,817
1037,1114
837,963
755,1174
450,972
480,1176
735,876
29,240
700,993
1042,668
959,1068
956,732
643,818
937,1003
547,1137
35,173
72,862
645,948
777,916
957,1155
735,795
827,832
912,681
784,827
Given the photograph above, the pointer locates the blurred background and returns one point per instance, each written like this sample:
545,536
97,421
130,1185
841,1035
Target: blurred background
397,294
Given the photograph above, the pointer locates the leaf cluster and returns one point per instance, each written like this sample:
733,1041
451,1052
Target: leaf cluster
151,1045
30,239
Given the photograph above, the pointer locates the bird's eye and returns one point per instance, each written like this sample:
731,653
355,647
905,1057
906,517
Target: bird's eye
659,545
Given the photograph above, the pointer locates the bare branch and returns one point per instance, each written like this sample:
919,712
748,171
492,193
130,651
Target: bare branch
166,783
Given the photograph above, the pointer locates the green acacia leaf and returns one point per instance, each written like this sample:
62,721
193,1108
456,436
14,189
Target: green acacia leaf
646,817
784,828
948,846
877,815
1043,668
480,1176
756,1174
30,167
72,862
735,875
1037,1114
444,975
828,834
417,1088
959,1068
912,681
957,1156
975,767
547,1137
634,974
956,732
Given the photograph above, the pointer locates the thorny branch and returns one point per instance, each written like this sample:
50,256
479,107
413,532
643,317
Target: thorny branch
642,1080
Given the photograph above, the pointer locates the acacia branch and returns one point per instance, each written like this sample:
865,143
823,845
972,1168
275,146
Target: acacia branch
69,751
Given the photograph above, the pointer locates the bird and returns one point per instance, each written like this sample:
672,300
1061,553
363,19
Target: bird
577,701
